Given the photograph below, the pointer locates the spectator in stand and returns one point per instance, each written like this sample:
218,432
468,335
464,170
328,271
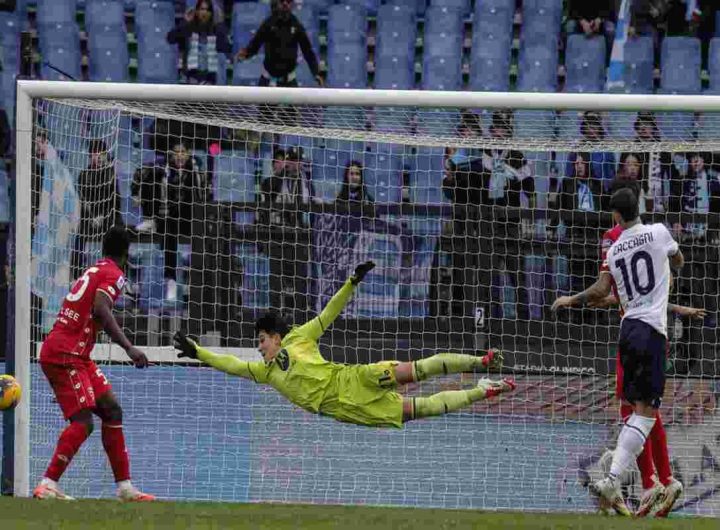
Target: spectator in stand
99,202
591,17
201,36
603,162
658,169
281,34
166,196
285,199
354,196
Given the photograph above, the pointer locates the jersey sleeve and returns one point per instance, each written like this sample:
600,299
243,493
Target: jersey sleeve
314,329
253,370
670,246
112,282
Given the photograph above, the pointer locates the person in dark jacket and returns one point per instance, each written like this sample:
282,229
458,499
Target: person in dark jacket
99,202
201,36
281,34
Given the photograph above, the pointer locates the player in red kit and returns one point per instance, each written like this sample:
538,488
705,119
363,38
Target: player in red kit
80,387
654,457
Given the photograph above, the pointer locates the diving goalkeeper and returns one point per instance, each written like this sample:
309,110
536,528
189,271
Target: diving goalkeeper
363,394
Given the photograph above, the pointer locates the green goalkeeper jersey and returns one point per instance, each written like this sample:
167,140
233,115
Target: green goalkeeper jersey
299,372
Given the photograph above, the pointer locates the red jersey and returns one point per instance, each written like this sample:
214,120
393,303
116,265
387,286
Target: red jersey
608,238
75,330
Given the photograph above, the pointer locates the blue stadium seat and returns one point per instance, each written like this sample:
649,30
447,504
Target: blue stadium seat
680,60
396,31
101,13
393,72
384,174
4,197
307,15
60,47
109,57
56,11
346,24
585,64
319,6
370,6
347,65
157,59
9,40
247,18
442,73
491,45
639,65
443,32
714,64
427,176
390,119
537,71
676,126
621,125
418,6
234,177
538,124
540,21
461,5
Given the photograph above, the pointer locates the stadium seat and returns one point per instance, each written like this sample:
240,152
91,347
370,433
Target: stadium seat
60,47
104,13
346,24
234,177
247,18
157,59
537,71
540,21
56,11
442,73
427,176
639,65
9,40
370,6
418,6
443,32
680,60
307,15
319,6
491,45
396,31
394,72
390,119
109,57
676,126
384,174
538,124
714,64
461,5
4,197
347,65
585,64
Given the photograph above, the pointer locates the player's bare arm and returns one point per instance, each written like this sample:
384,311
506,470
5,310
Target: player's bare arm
102,310
594,294
677,261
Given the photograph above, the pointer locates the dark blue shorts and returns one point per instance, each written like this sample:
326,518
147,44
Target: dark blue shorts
642,355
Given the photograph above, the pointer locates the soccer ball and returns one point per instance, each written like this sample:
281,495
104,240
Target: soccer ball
10,392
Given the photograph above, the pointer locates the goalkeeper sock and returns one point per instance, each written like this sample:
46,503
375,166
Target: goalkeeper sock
444,402
68,444
113,441
447,363
630,443
658,440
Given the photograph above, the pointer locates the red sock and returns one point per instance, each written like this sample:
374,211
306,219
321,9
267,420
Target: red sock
113,441
658,439
68,444
644,459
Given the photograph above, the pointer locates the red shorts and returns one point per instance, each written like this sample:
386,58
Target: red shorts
76,385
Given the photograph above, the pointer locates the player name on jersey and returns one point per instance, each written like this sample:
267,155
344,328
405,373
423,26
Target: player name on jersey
632,244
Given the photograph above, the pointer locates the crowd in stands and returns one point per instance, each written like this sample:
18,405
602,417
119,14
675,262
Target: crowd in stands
280,45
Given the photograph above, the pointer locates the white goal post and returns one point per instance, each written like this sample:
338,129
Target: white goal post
422,123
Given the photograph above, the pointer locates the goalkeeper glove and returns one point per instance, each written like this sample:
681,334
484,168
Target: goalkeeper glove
186,346
360,272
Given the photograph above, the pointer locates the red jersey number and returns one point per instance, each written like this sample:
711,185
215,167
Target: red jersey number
79,288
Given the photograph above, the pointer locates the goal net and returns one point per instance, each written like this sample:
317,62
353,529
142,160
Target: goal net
478,209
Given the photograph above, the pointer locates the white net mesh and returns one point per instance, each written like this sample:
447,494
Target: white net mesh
477,220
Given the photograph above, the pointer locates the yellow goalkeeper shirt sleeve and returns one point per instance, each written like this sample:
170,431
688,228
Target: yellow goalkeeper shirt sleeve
230,364
314,329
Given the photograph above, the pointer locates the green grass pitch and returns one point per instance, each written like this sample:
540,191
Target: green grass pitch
28,514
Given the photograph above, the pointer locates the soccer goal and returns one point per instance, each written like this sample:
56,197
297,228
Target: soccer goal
479,209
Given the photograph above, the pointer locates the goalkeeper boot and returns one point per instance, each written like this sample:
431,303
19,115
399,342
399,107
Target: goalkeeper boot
650,500
493,360
608,492
129,493
50,490
493,388
672,494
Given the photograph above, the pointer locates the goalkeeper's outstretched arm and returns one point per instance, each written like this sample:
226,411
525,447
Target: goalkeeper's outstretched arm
225,363
317,326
